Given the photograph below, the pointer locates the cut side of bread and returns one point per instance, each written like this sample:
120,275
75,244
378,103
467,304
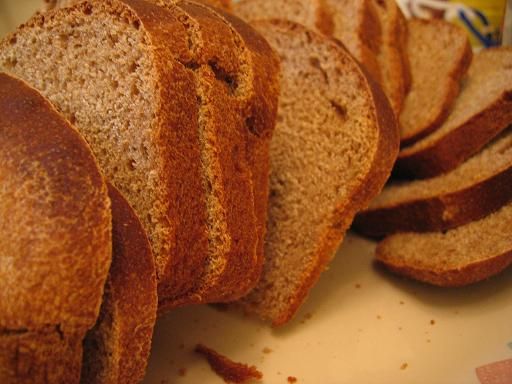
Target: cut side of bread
116,350
310,13
459,257
55,246
332,151
392,55
439,54
482,110
475,189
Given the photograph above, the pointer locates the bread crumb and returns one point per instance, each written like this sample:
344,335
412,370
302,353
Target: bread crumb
266,350
428,340
379,317
404,366
182,372
401,302
358,286
292,379
432,322
227,369
399,328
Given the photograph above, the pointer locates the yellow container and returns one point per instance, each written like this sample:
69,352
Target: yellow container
483,19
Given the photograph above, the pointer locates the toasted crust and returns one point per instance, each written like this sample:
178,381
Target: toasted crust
128,311
439,213
52,278
258,109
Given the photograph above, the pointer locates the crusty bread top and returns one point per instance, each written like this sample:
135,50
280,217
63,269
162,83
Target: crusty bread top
116,350
439,54
333,147
458,257
55,232
482,110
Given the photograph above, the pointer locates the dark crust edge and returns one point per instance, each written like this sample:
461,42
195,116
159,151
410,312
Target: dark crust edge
438,213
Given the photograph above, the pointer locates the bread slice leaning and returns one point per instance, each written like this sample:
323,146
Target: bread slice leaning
55,239
481,111
459,257
473,190
332,151
117,349
439,54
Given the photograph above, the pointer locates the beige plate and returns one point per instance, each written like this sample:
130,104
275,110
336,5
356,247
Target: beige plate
360,325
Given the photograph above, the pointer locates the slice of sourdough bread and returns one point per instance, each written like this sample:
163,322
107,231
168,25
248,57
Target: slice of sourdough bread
310,13
459,257
440,54
392,56
55,239
482,110
116,350
473,190
332,151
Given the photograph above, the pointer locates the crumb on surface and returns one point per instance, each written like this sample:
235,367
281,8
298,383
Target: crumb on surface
401,302
358,286
432,322
379,317
266,350
404,366
292,379
228,370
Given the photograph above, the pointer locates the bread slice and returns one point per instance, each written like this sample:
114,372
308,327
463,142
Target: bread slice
439,54
482,110
313,14
392,56
185,173
55,239
357,25
116,350
473,190
459,257
332,150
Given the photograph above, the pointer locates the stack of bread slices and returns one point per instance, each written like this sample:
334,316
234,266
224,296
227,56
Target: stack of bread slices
446,214
145,166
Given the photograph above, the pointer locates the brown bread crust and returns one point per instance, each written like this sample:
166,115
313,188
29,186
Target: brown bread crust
258,110
451,90
469,274
53,295
128,311
458,145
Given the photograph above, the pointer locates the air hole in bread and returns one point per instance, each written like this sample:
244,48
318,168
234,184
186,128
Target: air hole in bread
222,75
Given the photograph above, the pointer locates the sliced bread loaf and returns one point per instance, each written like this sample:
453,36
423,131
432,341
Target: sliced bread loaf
439,54
116,350
310,13
482,110
461,256
55,239
157,122
473,190
332,150
392,55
